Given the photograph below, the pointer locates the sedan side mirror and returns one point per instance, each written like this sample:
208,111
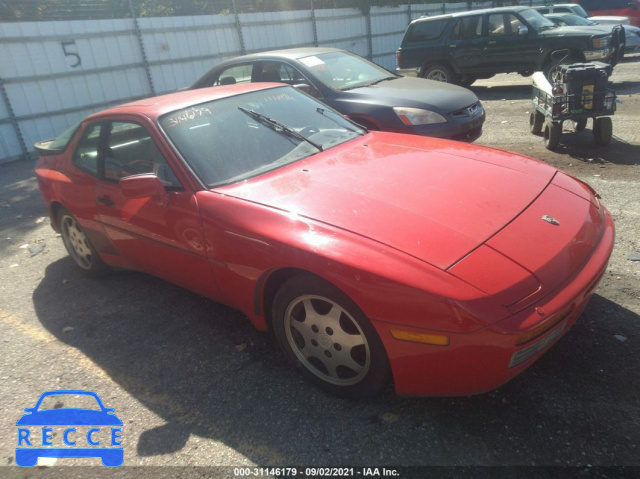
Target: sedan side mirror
144,186
522,30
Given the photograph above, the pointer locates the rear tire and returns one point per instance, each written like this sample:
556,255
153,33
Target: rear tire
536,121
79,247
439,73
323,332
602,130
552,133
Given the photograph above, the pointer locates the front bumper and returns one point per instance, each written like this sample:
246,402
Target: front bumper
485,359
598,54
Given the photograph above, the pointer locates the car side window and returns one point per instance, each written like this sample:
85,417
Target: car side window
503,24
543,10
86,155
468,27
235,74
130,150
562,10
270,72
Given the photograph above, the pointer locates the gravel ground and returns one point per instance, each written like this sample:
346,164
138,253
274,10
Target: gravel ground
195,385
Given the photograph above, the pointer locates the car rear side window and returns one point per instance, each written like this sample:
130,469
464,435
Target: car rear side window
235,74
468,27
426,30
86,155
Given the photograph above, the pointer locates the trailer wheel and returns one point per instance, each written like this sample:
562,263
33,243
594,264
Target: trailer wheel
552,133
536,120
602,130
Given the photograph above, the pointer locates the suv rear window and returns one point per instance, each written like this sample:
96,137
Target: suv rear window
426,30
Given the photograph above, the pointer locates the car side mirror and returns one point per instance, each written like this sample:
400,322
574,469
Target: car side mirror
144,186
633,5
522,30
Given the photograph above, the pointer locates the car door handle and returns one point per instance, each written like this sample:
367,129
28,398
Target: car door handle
105,200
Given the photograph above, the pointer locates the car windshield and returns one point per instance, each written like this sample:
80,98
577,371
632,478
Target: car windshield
239,137
343,71
535,19
575,20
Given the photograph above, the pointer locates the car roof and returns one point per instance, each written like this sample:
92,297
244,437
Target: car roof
156,106
290,53
473,12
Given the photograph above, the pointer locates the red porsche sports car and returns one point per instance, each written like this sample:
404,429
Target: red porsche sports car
446,267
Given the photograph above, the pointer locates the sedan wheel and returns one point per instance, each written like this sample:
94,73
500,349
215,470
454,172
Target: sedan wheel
79,247
321,330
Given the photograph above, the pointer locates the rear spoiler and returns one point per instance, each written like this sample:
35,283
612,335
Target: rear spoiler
43,148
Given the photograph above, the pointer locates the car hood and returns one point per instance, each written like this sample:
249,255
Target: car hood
435,200
69,417
573,31
609,20
413,92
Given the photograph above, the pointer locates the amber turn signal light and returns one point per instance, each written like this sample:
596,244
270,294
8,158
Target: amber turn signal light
435,339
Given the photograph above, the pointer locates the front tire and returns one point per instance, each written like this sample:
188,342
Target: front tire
79,247
552,133
323,332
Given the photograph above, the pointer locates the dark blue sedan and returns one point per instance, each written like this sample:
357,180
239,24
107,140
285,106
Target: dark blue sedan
361,90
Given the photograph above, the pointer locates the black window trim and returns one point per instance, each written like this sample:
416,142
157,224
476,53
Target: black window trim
85,129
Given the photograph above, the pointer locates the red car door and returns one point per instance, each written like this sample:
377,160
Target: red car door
160,234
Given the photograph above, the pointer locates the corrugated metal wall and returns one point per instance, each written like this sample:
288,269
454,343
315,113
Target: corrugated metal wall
53,74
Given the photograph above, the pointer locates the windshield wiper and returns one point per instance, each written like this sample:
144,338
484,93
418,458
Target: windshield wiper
375,82
278,127
323,112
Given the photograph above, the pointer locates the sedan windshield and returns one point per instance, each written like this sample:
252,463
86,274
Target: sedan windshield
343,71
236,138
575,20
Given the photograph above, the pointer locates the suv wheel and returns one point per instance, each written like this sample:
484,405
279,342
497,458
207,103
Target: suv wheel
439,73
